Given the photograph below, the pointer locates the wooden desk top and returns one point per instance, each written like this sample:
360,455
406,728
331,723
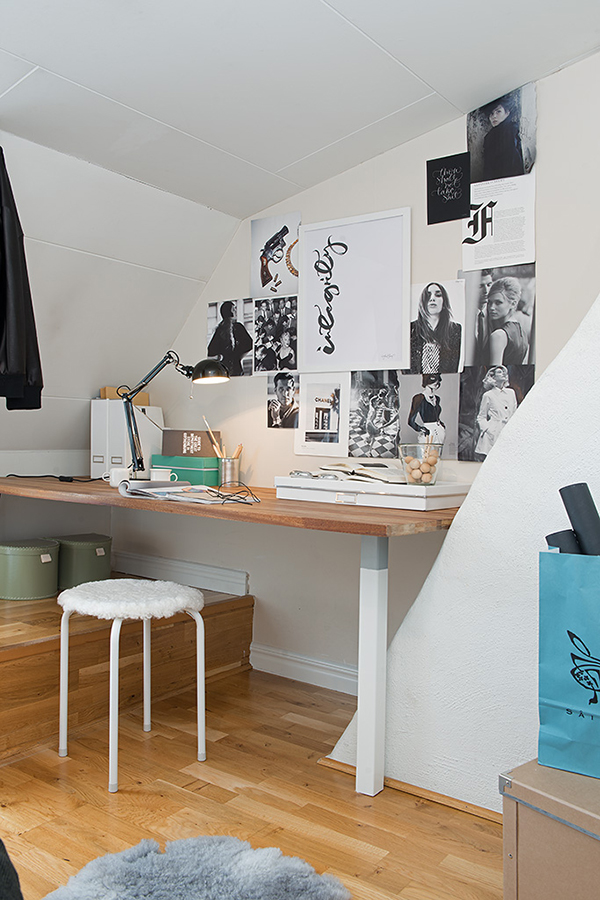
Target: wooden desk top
270,511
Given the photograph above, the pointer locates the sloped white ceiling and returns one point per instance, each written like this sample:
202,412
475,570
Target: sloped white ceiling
237,105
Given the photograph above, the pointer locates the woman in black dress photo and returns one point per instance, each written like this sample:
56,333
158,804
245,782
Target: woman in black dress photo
434,336
230,341
426,410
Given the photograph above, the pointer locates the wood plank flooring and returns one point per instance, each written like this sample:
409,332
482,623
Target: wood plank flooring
261,782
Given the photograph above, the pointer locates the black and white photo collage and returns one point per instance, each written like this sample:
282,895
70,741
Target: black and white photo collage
468,357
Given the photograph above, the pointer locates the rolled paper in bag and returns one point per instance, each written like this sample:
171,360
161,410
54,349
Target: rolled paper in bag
566,541
584,517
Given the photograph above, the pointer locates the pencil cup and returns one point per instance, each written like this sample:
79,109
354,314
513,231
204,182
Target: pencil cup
229,470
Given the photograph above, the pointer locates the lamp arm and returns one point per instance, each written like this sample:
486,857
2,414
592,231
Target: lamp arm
127,394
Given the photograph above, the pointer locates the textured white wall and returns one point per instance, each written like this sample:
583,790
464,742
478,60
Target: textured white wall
462,668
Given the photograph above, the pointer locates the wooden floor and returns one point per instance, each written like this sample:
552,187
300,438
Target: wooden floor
261,782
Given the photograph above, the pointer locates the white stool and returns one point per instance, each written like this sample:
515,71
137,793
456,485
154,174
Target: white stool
128,598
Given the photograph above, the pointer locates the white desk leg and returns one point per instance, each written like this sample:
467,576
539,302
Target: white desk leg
372,664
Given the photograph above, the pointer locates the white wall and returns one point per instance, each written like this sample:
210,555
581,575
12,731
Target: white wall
115,267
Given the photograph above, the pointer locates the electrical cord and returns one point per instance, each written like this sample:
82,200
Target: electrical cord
69,478
243,495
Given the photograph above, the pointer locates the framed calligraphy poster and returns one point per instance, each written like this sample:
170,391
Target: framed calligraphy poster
354,293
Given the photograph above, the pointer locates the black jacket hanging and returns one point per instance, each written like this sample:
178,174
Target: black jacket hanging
20,367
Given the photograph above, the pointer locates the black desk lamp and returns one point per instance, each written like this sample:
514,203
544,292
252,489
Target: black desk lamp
207,371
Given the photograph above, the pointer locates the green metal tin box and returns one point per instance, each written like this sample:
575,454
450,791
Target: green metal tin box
83,557
29,569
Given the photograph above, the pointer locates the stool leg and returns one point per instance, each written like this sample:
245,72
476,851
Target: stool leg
147,676
200,687
113,712
63,713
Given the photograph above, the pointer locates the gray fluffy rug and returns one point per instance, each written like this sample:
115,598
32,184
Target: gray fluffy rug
202,868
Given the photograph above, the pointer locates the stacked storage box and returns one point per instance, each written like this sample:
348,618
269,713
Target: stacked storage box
195,469
29,569
83,557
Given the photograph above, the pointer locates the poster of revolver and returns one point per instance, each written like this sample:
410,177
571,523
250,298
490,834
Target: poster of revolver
274,255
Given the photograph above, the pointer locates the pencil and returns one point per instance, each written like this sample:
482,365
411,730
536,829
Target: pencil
213,439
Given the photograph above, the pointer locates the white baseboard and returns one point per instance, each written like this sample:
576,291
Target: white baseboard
45,462
303,668
212,578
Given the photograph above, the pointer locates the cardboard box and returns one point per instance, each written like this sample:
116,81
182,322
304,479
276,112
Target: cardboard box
551,834
195,469
188,443
110,393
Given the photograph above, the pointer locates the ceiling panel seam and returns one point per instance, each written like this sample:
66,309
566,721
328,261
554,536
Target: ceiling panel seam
366,128
126,262
164,125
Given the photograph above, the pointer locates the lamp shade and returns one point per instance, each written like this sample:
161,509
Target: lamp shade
209,370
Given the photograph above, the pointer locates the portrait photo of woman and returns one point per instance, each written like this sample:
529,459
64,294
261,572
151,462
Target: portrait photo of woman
502,151
435,335
501,136
507,342
498,404
489,397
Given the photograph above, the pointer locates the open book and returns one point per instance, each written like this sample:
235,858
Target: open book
367,471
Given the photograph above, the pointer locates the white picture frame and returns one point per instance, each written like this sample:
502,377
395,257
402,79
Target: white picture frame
354,293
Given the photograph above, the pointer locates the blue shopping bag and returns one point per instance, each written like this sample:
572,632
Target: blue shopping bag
569,662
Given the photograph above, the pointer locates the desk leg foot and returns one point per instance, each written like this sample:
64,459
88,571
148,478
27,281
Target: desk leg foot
372,665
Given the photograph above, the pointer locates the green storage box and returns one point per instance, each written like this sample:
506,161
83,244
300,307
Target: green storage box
83,557
195,469
29,569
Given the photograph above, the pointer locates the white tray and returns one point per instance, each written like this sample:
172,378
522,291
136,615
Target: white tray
444,495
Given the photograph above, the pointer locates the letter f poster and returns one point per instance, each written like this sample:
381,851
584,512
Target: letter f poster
354,293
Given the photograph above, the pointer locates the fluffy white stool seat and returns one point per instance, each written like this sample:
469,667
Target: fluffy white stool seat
131,598
119,599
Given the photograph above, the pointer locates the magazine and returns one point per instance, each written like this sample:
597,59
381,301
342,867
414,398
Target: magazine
185,492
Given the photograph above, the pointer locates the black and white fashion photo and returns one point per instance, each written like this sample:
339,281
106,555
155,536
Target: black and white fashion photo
436,329
501,136
282,400
374,427
429,410
275,334
500,316
229,338
425,414
324,413
489,397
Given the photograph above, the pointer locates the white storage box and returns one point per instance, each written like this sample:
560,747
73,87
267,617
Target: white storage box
444,495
